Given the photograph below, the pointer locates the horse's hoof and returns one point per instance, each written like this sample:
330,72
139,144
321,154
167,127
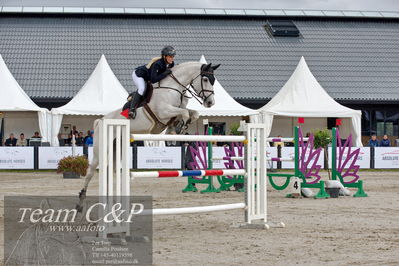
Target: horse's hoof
179,128
79,208
82,194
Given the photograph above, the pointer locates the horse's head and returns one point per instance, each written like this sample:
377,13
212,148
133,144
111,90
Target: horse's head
204,84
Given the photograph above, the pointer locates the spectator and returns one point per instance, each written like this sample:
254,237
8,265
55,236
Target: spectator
61,141
74,130
373,142
385,141
89,140
276,144
79,139
22,140
11,141
68,141
37,135
88,135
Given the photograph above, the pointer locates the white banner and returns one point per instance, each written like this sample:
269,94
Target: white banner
90,156
16,158
289,152
363,160
271,152
159,157
50,156
386,157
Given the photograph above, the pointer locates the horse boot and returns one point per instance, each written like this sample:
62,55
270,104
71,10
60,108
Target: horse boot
133,105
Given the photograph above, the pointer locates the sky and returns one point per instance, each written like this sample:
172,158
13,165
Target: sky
373,5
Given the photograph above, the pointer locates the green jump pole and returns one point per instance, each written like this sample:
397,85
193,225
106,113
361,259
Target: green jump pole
296,144
334,154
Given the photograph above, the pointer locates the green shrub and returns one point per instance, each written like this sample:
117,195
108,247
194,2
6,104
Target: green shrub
234,129
322,138
77,164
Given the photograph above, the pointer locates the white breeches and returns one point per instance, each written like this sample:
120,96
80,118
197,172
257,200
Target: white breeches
140,83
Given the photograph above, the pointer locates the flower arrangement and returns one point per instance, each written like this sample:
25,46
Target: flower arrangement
74,164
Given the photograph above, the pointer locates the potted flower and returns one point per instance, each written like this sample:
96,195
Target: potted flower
322,138
73,166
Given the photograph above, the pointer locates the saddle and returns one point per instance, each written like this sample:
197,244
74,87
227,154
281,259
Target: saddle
145,100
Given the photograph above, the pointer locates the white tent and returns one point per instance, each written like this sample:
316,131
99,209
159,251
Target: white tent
14,99
303,96
101,94
225,105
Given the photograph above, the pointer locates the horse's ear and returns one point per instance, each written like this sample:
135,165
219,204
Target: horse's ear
216,67
206,67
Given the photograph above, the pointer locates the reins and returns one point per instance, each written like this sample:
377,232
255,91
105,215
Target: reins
199,96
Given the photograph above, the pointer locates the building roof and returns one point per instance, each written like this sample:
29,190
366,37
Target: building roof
52,56
113,7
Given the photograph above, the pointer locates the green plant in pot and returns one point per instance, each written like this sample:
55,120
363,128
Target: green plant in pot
234,129
73,166
321,139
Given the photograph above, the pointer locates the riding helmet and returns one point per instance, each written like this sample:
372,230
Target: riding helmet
168,50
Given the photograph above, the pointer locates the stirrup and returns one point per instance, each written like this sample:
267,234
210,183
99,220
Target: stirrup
132,114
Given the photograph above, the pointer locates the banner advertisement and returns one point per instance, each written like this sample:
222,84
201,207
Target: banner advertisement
289,152
90,156
50,156
159,157
386,157
363,160
16,158
271,152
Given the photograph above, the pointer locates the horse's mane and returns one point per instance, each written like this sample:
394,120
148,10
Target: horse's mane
182,65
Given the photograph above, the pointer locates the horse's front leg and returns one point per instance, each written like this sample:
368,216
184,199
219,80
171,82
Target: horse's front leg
183,116
194,115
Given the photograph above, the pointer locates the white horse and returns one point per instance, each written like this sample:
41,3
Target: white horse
168,106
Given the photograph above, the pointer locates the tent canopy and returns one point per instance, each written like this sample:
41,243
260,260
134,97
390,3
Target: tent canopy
13,97
303,96
225,105
101,94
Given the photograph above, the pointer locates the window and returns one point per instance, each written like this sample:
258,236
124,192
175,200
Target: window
282,28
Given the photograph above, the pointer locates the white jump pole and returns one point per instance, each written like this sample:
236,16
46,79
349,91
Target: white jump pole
207,138
188,210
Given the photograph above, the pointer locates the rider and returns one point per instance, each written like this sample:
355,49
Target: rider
156,70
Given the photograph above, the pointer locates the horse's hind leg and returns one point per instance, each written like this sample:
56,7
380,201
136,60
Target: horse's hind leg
90,173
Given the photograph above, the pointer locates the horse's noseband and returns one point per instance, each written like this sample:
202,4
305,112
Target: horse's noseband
211,79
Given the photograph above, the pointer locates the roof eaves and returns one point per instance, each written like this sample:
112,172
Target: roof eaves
201,12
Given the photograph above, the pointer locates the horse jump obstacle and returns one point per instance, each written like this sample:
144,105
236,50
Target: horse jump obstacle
119,130
255,205
300,168
225,181
337,172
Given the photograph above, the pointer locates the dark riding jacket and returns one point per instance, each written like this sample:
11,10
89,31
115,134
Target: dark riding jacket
156,72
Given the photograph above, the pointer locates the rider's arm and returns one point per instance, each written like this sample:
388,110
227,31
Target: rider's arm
156,74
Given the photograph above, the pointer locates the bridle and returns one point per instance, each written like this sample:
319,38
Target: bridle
199,96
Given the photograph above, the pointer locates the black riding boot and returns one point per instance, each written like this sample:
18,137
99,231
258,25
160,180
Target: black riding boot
133,105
